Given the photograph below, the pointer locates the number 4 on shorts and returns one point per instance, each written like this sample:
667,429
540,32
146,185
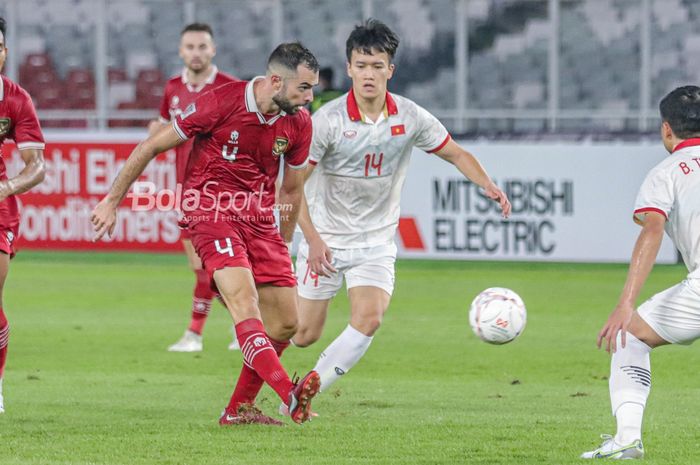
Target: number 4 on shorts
227,250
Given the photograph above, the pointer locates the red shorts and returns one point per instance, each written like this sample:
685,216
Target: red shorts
227,244
9,225
7,239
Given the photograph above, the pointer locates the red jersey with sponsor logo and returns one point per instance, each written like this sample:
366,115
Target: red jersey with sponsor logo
18,121
236,155
178,94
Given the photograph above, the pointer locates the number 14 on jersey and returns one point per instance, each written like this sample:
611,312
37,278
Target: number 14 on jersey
373,164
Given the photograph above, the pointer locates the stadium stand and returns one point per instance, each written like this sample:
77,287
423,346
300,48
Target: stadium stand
507,65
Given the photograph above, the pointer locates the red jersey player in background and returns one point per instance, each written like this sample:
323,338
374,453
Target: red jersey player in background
240,131
18,121
197,49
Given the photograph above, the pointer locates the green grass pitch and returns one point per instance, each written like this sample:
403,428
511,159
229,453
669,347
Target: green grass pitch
89,380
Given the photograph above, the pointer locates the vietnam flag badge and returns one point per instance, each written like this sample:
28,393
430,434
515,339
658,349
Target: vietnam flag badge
398,130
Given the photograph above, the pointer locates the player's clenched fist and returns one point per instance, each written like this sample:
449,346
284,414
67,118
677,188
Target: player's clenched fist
104,218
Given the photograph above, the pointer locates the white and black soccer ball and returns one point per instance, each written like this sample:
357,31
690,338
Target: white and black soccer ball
497,315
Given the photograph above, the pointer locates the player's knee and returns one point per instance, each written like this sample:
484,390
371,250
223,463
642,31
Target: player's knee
368,325
305,337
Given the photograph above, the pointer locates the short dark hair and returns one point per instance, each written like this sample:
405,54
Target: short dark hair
372,35
681,110
3,29
292,54
198,27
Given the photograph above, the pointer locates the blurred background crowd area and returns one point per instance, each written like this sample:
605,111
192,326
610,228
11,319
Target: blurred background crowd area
503,67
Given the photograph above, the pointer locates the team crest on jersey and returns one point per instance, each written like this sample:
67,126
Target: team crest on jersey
191,108
279,146
175,101
350,134
10,236
5,126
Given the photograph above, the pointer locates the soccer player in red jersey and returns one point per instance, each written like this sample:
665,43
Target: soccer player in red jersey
197,49
18,121
240,131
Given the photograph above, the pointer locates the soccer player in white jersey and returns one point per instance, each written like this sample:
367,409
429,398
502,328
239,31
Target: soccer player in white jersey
361,146
669,199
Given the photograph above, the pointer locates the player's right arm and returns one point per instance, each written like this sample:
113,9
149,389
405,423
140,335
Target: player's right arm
320,255
104,216
643,258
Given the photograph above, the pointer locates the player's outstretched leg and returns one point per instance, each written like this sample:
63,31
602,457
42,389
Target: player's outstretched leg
238,290
260,356
630,384
249,383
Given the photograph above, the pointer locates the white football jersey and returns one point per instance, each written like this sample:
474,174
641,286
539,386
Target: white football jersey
355,189
672,188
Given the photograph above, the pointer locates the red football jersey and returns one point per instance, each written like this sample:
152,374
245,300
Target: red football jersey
18,122
177,96
236,155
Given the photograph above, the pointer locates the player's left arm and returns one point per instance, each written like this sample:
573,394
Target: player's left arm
469,166
643,258
32,174
290,195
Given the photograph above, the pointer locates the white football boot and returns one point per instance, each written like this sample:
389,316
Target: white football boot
610,449
190,342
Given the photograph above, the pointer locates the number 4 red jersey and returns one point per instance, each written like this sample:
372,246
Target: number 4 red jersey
236,155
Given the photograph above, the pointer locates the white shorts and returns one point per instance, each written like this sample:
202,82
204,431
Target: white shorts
371,266
675,313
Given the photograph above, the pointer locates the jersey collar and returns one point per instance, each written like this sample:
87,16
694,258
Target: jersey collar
694,142
252,106
210,79
355,114
2,89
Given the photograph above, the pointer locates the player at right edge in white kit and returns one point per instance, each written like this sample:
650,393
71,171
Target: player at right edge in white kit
360,151
669,199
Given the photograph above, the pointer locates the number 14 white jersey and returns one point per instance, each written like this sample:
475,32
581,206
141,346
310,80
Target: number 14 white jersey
355,190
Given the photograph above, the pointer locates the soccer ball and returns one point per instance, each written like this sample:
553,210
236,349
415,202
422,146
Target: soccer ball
497,315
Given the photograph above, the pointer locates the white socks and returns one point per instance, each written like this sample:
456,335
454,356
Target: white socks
341,355
630,383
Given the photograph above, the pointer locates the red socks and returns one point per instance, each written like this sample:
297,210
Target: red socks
260,364
4,337
201,301
249,382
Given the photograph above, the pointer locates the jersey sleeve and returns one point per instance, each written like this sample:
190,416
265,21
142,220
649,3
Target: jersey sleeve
655,195
321,139
430,134
164,107
199,117
298,156
27,131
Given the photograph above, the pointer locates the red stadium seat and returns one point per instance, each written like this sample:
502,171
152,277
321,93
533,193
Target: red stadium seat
80,77
116,75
